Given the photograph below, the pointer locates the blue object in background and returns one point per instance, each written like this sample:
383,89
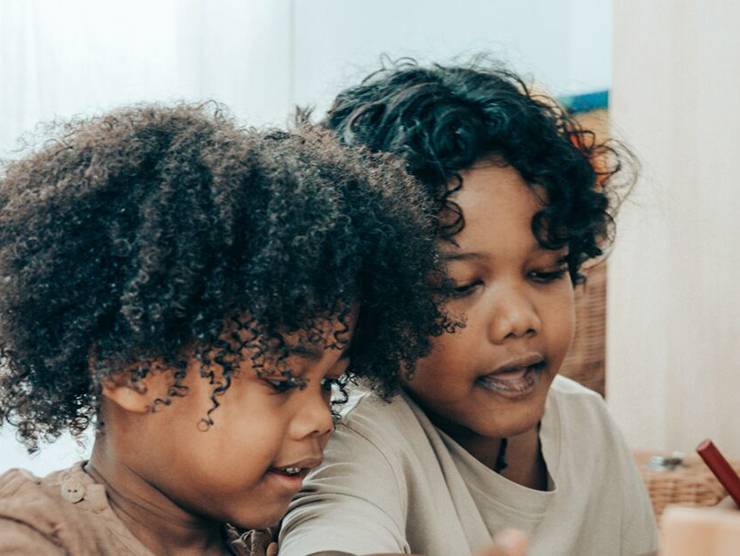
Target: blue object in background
576,104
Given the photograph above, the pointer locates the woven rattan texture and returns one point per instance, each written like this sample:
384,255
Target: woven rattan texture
692,484
586,360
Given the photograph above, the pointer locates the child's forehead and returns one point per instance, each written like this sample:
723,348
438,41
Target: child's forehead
500,213
489,186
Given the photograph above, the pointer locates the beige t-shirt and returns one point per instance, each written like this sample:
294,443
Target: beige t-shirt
392,482
67,512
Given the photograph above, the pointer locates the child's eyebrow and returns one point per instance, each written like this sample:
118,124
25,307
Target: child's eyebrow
304,351
447,257
312,352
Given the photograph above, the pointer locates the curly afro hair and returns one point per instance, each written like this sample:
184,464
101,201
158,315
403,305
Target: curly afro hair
144,235
443,120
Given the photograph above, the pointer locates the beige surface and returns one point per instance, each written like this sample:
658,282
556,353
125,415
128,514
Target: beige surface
707,531
673,313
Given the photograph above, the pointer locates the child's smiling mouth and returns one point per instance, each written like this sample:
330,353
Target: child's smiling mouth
516,378
291,476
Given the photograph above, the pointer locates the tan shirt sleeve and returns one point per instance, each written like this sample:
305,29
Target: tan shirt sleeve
17,538
352,503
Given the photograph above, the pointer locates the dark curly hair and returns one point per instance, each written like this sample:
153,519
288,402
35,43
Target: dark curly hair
443,120
154,234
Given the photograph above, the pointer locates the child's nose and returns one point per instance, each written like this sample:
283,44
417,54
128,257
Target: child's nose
512,315
313,418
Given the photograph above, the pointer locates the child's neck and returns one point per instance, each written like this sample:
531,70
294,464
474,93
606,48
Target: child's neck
157,521
525,463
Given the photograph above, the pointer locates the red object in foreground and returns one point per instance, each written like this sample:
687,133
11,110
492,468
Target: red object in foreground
721,469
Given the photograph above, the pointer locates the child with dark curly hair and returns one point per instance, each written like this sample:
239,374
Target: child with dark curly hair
196,291
483,434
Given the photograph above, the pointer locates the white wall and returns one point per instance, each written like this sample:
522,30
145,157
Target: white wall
261,57
565,44
673,355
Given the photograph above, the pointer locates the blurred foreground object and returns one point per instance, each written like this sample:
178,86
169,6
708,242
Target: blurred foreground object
700,532
507,542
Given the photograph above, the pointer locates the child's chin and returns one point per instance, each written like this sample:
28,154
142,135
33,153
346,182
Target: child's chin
518,420
261,518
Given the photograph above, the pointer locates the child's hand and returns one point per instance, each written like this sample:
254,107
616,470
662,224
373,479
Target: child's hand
509,542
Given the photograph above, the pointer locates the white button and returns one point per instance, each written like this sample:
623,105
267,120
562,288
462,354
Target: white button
73,491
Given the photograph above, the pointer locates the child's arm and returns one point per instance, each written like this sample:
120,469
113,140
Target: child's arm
352,503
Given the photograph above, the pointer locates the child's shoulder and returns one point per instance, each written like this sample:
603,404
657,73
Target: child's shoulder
366,411
369,420
565,387
30,500
578,406
61,513
32,517
582,413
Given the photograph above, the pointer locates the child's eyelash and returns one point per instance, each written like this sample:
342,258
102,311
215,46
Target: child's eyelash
465,289
550,276
284,383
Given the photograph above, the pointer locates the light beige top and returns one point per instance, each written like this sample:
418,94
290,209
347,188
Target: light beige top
67,512
392,482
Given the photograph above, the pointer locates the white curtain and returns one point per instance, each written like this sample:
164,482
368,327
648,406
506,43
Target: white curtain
63,58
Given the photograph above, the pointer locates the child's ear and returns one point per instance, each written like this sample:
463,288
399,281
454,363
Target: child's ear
139,396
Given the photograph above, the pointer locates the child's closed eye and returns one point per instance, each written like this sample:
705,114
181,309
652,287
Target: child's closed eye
546,276
284,383
464,290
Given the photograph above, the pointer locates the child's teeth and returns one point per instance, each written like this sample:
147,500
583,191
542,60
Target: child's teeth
292,470
512,375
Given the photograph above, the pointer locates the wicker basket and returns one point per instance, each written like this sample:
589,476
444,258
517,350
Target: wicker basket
691,484
585,362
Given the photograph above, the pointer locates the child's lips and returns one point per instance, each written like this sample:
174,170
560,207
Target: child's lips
517,363
307,463
515,379
291,475
288,480
510,375
288,471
